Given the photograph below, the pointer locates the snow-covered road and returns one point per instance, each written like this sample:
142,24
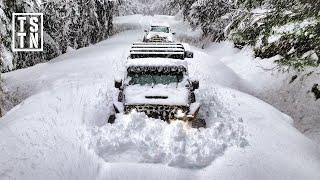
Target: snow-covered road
59,131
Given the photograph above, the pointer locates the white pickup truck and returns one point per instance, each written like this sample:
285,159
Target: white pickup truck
159,32
159,87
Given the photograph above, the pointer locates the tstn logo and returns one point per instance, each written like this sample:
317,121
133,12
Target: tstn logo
27,32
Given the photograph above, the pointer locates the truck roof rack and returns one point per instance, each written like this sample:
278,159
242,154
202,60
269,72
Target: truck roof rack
163,50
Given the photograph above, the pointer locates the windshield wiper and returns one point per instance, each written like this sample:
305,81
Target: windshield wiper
154,81
177,81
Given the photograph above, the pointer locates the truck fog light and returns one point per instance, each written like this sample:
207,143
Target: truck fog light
133,110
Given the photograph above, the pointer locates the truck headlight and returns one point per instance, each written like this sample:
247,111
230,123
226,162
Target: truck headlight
130,109
133,110
180,114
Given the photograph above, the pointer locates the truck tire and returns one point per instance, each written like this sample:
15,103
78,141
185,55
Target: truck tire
199,123
144,39
193,97
120,96
111,118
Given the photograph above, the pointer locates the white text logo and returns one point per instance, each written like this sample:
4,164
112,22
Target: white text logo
27,32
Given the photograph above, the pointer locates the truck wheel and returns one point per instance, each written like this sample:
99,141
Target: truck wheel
120,96
193,98
199,123
111,118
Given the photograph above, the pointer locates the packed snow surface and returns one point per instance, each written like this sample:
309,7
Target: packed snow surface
59,129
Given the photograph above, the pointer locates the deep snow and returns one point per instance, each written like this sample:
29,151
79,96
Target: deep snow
265,81
59,129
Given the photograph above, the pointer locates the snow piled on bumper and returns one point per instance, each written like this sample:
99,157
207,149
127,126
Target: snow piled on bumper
137,138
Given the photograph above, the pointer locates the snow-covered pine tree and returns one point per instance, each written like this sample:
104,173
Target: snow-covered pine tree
67,23
257,23
146,7
3,30
1,98
209,16
6,58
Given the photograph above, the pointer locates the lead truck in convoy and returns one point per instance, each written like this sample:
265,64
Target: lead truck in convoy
159,87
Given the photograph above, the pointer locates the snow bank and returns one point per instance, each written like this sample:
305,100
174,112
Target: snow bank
136,138
291,95
276,149
45,137
256,74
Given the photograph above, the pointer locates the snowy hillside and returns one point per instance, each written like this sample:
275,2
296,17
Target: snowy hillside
289,91
59,131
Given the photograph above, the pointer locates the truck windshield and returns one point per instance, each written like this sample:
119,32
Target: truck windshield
159,29
145,79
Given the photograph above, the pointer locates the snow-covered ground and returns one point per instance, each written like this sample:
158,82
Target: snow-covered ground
59,129
290,91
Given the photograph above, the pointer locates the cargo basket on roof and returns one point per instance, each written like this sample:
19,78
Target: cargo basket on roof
163,50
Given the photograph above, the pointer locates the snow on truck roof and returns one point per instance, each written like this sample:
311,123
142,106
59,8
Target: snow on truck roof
156,62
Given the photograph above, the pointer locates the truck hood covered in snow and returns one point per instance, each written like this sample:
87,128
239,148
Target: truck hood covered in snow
160,94
156,62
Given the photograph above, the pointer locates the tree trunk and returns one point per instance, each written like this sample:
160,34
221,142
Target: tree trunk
1,98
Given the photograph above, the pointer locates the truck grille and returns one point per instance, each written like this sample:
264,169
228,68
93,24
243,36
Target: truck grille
164,112
158,39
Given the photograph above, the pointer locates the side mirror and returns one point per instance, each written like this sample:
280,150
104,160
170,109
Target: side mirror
174,33
195,85
117,84
189,54
145,30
